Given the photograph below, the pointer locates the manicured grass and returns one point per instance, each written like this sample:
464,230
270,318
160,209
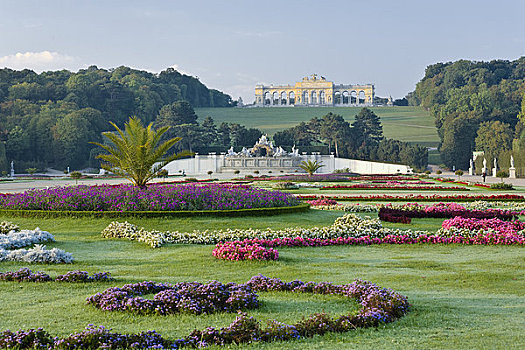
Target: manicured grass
464,297
411,124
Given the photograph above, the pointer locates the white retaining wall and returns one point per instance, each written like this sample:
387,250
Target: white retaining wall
201,164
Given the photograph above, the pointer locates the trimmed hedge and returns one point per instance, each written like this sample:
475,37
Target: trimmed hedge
152,214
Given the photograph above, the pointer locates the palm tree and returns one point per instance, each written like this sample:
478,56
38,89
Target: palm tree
310,167
137,153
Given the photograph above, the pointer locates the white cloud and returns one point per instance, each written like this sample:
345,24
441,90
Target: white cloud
180,70
39,61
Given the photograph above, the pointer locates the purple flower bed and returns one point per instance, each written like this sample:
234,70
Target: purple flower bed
26,275
154,198
379,305
194,297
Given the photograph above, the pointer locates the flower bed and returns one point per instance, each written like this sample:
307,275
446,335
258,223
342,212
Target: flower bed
394,187
12,237
418,198
404,214
506,227
379,305
185,197
240,251
346,226
26,275
188,297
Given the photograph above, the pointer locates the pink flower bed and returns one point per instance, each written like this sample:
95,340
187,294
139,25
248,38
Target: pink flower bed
493,238
418,197
504,227
241,250
318,202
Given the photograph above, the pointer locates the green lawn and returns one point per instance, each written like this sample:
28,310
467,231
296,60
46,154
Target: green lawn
411,124
464,297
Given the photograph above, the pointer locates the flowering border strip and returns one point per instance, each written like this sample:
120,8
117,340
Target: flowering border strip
26,275
182,213
379,305
394,188
419,198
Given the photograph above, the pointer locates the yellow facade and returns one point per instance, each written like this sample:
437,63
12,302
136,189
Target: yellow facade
314,91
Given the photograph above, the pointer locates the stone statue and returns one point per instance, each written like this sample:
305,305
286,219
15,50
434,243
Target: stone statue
484,163
511,161
471,163
231,152
12,169
495,163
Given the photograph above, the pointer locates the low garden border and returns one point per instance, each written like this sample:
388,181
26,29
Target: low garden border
180,213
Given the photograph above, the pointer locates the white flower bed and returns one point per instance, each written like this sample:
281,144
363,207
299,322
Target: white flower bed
349,225
12,238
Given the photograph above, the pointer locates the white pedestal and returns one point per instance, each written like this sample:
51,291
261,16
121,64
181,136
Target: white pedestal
470,171
512,173
494,171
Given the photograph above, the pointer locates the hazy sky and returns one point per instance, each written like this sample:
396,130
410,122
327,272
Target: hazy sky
233,45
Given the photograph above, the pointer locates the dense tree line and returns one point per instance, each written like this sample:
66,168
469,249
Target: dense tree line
363,139
48,119
476,107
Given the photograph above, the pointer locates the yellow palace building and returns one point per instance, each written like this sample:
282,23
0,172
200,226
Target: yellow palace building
314,91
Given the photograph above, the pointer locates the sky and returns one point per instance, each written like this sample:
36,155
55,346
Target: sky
234,45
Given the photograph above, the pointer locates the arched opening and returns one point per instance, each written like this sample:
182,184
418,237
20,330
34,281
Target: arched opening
276,98
306,100
337,98
322,98
362,98
345,97
314,97
283,97
353,98
267,97
292,97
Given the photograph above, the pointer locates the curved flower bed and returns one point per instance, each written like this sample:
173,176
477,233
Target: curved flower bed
26,275
12,237
190,297
379,305
185,197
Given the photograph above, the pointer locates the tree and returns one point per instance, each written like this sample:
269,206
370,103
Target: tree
175,114
137,153
310,167
368,128
75,175
493,137
334,129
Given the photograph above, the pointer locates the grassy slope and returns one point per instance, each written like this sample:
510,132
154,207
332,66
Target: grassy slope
464,297
403,123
